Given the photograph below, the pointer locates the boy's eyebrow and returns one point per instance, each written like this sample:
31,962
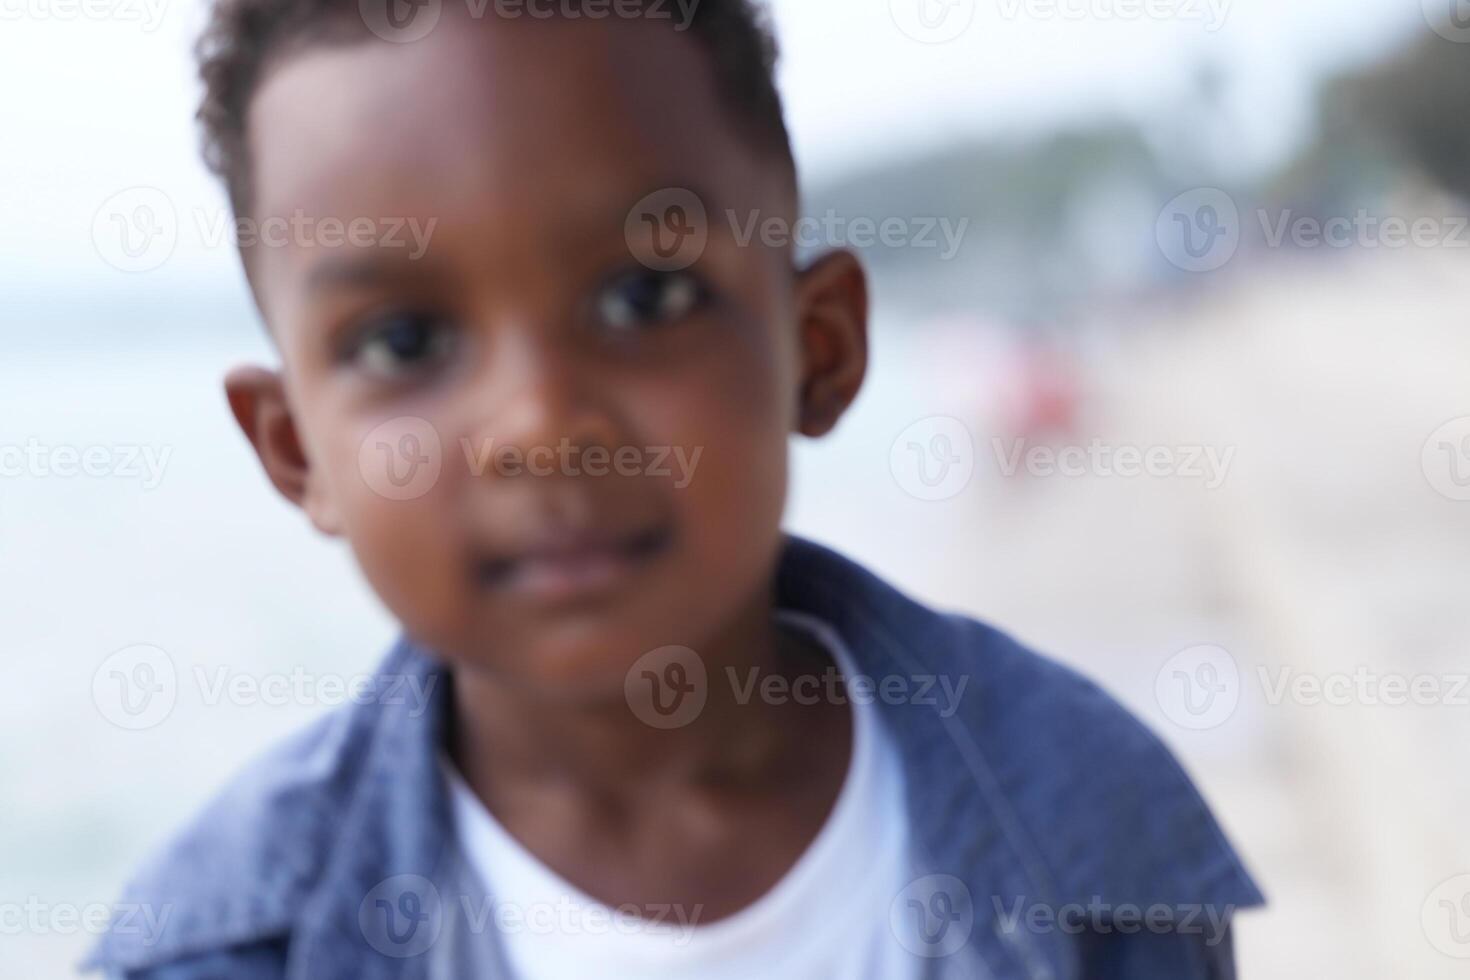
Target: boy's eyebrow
350,271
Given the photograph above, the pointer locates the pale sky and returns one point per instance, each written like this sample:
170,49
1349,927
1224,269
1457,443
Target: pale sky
94,105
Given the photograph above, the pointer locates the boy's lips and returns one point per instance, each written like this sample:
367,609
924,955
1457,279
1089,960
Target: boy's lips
565,566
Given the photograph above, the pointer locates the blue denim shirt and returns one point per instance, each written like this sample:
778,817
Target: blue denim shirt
1053,836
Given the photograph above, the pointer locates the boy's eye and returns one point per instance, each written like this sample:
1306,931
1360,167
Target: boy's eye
394,344
648,298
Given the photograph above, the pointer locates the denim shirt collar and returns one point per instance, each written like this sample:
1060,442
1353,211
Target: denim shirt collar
378,904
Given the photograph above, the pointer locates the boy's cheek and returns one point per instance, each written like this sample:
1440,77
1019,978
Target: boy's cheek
409,559
389,485
730,507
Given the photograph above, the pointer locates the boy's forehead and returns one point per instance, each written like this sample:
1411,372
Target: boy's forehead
592,110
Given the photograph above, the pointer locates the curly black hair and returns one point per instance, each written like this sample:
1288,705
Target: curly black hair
245,38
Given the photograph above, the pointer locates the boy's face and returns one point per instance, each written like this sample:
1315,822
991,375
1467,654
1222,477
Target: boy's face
528,347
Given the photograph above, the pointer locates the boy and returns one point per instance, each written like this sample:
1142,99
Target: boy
633,761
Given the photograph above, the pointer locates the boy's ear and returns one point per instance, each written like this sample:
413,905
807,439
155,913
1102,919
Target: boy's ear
832,309
257,397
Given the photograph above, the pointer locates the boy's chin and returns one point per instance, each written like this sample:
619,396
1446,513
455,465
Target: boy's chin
579,660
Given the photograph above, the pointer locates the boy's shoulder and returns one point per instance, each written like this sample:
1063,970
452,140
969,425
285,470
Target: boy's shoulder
1068,780
1100,797
235,878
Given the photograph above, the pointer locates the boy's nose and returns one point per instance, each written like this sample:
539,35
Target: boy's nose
547,399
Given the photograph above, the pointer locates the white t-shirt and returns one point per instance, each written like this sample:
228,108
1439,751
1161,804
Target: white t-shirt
827,917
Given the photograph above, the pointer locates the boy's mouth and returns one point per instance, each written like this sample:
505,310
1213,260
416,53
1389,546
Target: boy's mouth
566,566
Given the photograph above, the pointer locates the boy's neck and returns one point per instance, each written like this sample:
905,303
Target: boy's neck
504,740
